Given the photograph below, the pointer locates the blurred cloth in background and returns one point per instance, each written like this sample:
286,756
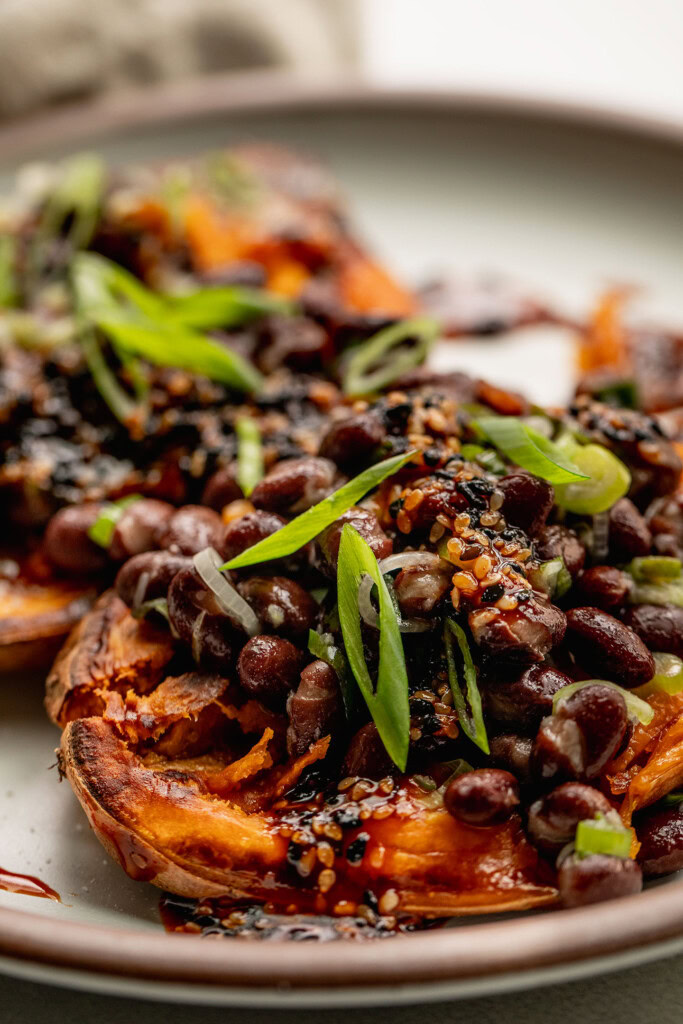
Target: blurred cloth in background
53,51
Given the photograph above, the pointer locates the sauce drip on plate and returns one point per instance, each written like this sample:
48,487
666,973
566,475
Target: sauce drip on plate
27,885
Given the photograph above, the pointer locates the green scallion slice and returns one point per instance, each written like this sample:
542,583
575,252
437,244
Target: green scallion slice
607,480
105,380
602,834
525,447
77,197
551,577
472,720
653,568
635,706
323,647
102,530
225,307
388,701
673,799
249,454
668,677
8,278
388,354
657,593
314,520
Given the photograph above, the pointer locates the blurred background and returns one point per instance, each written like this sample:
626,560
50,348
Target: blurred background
619,54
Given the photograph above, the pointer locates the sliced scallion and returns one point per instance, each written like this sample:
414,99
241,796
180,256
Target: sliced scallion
658,593
607,480
314,520
527,448
472,720
551,577
668,677
225,307
76,198
208,564
673,799
652,568
387,702
249,454
8,278
389,354
102,530
635,706
603,834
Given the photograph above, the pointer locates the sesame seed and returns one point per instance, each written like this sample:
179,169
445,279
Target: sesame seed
465,581
325,854
414,499
388,901
403,522
345,908
496,500
333,831
387,785
507,603
326,879
346,783
436,533
384,811
482,566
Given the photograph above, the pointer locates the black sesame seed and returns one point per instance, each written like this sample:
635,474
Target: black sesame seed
431,456
492,594
354,854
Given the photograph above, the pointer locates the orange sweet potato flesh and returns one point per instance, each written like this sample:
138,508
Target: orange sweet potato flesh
209,815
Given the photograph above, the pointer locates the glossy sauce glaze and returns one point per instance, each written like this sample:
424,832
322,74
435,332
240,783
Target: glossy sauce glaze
27,885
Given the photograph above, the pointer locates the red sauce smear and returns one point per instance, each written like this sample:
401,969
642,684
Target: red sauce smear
27,885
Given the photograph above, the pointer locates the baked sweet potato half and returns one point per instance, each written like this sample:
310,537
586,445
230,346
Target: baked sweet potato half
188,785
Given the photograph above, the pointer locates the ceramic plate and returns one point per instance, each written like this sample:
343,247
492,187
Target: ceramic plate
565,202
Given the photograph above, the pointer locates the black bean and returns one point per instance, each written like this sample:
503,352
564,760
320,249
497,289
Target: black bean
660,627
527,501
513,753
350,442
294,485
280,603
269,668
200,622
629,534
603,586
139,527
526,700
607,648
584,880
67,544
148,575
222,488
191,529
487,796
660,831
366,755
521,636
315,709
421,587
248,530
559,541
583,734
367,526
553,819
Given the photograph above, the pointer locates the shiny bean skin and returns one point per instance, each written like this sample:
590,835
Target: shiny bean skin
604,586
584,733
280,603
248,530
199,621
139,527
221,488
269,668
665,521
607,648
660,832
148,575
526,700
553,819
527,501
629,534
367,526
314,709
487,796
660,627
350,442
366,755
67,544
294,485
584,880
520,637
420,588
513,753
559,541
191,529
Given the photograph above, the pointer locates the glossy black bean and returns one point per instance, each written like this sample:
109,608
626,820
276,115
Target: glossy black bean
362,520
67,544
280,603
420,588
603,586
660,627
519,637
221,488
191,529
553,819
660,831
139,527
487,796
199,621
665,520
527,501
294,485
584,880
608,649
269,668
248,530
366,755
314,709
526,700
350,442
629,534
559,541
513,753
148,575
583,734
